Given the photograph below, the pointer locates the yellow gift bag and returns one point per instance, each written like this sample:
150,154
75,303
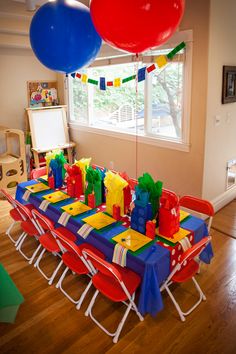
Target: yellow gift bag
115,195
83,164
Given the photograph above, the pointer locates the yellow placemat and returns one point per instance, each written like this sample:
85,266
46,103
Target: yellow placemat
99,220
45,177
132,239
76,208
183,215
182,233
38,187
56,197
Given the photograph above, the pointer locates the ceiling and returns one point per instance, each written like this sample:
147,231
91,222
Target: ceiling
31,4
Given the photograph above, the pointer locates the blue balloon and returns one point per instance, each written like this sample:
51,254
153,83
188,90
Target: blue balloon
63,36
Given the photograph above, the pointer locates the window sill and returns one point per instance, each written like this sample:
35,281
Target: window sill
160,142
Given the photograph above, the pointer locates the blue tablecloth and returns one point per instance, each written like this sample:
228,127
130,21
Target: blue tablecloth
153,263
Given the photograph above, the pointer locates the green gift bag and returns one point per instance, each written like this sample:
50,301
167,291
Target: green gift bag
10,297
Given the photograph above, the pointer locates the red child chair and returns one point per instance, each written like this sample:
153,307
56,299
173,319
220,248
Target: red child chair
30,229
198,205
49,243
73,259
15,215
38,172
114,282
185,270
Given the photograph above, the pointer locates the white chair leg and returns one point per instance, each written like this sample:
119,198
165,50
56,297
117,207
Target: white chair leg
199,289
88,311
116,334
36,264
20,242
19,238
79,303
34,254
175,303
9,230
55,273
121,324
58,285
49,278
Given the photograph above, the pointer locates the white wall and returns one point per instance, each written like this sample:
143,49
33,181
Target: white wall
220,140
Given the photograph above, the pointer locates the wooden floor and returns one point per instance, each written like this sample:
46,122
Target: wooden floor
48,323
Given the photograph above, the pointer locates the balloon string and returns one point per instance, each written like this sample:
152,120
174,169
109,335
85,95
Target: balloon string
136,116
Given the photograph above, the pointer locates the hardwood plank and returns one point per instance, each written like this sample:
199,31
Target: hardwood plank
225,220
47,322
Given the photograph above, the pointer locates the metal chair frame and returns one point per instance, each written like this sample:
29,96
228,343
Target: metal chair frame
67,245
114,273
36,215
188,255
201,206
12,202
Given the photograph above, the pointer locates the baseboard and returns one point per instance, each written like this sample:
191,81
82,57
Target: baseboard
223,199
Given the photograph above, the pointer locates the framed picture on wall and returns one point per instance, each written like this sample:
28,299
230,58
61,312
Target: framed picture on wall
229,84
42,93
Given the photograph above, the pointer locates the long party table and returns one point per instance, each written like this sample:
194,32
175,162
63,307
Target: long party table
152,263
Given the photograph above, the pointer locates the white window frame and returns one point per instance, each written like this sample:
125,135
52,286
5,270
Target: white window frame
166,142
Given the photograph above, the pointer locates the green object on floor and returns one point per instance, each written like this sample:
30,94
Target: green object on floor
10,297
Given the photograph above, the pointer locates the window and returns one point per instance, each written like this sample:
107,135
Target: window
156,109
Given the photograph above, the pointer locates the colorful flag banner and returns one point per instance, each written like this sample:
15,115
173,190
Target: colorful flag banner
160,62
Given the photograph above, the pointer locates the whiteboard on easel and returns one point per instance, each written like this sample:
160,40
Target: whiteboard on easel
48,128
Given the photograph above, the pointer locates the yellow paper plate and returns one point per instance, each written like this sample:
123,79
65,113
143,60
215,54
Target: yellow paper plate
182,233
38,187
183,215
76,208
56,197
132,239
99,220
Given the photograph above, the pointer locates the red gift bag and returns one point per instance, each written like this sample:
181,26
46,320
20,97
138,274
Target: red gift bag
169,214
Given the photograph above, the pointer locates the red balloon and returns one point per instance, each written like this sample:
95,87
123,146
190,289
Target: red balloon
136,25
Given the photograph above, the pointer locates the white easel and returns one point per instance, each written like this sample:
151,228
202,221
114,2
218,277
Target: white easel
49,131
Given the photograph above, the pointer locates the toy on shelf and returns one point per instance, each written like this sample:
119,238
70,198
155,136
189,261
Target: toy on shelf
13,161
169,214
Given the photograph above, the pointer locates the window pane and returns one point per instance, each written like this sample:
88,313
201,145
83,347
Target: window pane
116,107
166,110
79,107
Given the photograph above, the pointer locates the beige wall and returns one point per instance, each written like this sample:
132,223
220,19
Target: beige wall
220,139
180,171
18,64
